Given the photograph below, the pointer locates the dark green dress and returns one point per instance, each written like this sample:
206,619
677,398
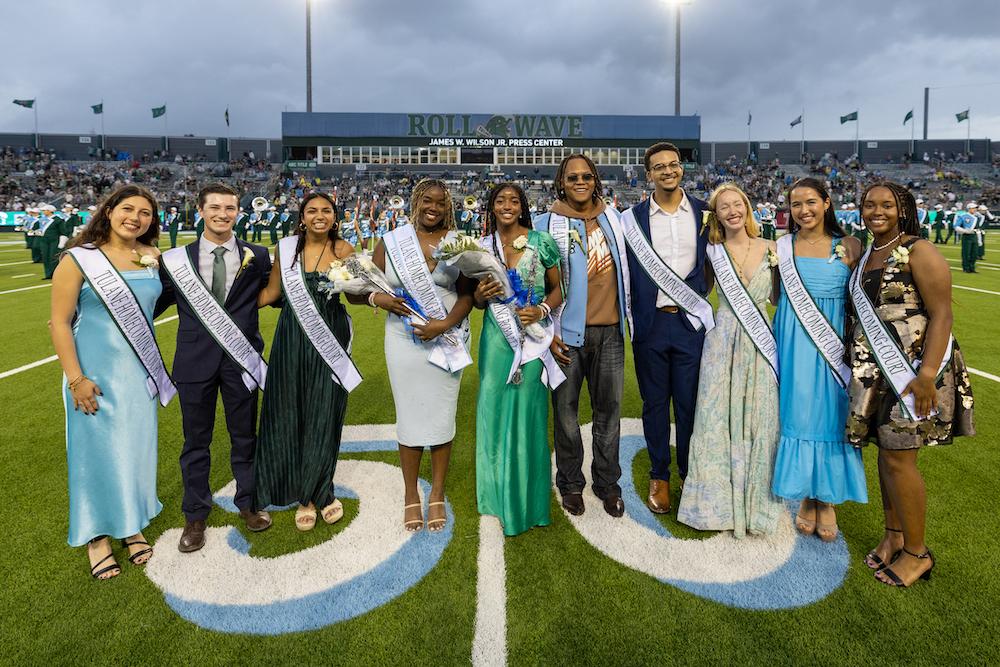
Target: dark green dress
303,412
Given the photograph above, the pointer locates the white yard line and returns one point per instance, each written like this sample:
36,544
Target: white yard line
489,645
28,261
984,374
46,360
976,289
22,289
23,275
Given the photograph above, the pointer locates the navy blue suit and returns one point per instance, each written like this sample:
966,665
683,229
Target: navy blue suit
202,370
667,350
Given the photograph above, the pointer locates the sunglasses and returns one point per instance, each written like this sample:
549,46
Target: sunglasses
586,178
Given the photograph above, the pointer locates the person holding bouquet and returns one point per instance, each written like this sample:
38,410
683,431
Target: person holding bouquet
425,357
298,445
513,467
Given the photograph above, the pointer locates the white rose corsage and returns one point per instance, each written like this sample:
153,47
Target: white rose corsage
839,252
520,243
247,258
147,262
574,237
772,258
899,256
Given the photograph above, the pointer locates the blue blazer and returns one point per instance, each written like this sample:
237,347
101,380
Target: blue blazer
198,356
644,290
573,323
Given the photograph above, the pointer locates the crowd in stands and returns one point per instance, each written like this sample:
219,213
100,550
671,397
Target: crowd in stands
28,176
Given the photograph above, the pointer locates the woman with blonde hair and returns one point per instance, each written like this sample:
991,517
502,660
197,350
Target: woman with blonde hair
736,431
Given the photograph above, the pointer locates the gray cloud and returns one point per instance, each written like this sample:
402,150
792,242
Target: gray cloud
772,58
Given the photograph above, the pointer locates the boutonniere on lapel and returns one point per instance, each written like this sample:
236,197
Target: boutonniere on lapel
574,237
146,261
839,252
706,218
247,258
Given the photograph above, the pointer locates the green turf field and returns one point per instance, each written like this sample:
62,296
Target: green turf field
567,602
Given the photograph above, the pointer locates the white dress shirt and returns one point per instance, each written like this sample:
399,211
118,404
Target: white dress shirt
674,237
206,259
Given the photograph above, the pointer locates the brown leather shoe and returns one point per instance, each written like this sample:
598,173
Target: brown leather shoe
193,537
256,521
573,503
659,496
614,506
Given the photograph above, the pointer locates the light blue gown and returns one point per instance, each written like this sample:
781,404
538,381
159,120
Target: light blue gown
111,455
814,458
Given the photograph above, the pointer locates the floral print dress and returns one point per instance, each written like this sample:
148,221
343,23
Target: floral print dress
875,414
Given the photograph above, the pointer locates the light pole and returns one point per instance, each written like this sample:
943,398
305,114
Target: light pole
677,52
309,58
677,59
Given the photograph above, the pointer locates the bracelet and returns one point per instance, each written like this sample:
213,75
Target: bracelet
546,309
371,300
76,383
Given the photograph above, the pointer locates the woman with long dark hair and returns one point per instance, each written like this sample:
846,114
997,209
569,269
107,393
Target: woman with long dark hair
902,297
513,468
815,463
303,409
110,416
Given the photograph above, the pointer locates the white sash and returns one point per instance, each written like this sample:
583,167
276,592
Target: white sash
214,317
403,250
525,348
559,229
697,309
817,327
889,356
293,285
115,294
750,318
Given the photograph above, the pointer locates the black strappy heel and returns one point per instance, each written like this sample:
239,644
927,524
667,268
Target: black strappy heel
875,558
96,574
894,579
138,554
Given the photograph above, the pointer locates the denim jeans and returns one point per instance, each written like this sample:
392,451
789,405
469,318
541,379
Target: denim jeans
601,361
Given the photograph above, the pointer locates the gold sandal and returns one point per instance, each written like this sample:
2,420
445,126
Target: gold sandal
417,524
436,525
305,519
333,512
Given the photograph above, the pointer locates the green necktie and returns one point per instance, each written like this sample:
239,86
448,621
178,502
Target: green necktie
219,275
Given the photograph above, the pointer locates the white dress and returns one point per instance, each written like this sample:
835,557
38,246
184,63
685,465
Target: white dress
426,396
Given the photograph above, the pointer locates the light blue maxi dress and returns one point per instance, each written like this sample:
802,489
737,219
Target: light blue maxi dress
111,455
814,458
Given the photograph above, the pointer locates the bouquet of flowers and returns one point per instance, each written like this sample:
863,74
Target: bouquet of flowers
477,262
357,274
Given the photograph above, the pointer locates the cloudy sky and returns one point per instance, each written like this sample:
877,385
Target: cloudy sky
774,58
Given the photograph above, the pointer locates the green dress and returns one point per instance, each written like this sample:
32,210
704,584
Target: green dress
303,410
513,463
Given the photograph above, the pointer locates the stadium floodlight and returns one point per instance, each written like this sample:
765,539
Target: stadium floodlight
676,4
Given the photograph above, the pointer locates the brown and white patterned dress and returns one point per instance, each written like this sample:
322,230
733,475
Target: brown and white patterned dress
874,413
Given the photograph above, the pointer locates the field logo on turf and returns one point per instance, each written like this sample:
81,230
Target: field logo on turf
780,571
369,563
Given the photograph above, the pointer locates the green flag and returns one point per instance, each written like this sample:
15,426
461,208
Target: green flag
849,117
908,117
25,103
98,108
962,116
159,111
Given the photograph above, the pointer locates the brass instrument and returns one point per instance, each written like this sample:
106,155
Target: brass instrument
470,203
260,204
